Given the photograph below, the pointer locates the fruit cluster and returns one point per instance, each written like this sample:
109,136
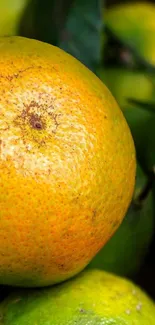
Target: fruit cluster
73,220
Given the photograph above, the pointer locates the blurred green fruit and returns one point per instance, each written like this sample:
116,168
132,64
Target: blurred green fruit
125,251
125,84
134,25
135,93
11,12
131,40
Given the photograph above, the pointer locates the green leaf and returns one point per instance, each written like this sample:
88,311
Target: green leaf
146,146
150,107
46,19
81,35
141,120
142,124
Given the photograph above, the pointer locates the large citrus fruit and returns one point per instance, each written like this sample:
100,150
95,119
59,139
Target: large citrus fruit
67,164
92,298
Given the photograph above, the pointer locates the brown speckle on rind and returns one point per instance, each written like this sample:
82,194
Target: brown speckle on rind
82,311
94,215
115,224
15,75
36,123
54,117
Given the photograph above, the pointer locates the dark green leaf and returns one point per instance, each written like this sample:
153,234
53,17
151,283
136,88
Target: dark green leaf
150,107
81,35
146,145
46,19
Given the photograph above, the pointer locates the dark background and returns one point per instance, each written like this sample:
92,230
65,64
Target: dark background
110,2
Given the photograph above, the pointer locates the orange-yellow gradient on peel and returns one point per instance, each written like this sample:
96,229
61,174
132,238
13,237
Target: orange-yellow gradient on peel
67,164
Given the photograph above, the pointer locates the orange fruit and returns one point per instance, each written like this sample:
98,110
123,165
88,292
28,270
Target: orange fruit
67,164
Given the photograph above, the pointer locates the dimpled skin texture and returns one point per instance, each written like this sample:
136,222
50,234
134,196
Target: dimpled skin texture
92,298
67,164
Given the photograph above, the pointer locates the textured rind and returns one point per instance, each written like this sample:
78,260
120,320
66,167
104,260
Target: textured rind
67,164
92,298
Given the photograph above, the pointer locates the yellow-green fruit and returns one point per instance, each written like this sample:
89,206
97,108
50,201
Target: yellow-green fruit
123,83
92,298
11,12
134,25
67,164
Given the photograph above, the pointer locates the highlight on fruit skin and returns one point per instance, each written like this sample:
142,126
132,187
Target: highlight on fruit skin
92,298
67,164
